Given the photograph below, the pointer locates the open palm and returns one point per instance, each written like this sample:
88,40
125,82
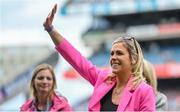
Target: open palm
50,17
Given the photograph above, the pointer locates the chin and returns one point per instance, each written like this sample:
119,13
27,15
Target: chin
114,71
43,91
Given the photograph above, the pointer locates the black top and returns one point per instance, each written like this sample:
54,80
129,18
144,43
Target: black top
107,104
39,110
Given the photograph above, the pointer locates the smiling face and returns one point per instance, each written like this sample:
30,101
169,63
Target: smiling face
120,59
43,81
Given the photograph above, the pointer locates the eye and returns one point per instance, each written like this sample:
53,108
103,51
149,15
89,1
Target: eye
40,78
112,53
119,53
49,78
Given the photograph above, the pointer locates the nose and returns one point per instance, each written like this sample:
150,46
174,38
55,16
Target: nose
44,80
113,57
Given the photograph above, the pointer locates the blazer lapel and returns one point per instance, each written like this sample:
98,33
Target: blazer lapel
126,97
100,92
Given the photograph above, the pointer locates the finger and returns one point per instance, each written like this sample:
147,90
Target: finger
47,20
53,11
55,8
49,15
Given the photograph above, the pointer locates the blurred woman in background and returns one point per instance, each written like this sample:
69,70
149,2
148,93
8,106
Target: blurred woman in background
150,76
113,87
43,84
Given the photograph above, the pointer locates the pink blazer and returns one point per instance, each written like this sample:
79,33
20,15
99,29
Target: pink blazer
59,104
140,99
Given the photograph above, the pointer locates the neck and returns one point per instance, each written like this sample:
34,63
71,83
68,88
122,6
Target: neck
122,79
42,102
42,98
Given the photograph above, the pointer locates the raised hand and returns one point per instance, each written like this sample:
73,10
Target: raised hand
48,23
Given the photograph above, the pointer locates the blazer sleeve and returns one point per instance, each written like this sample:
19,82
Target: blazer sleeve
147,101
83,66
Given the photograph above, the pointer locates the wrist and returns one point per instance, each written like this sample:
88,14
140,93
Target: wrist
49,28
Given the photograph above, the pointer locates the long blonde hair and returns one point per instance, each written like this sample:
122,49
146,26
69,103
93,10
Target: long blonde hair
36,71
135,53
150,74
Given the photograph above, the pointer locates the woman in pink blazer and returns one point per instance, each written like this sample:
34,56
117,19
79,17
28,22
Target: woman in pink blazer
43,84
112,87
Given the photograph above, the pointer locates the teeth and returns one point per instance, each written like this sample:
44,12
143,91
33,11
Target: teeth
116,63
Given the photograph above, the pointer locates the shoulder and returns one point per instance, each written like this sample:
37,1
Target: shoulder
26,105
144,94
60,102
161,97
161,102
58,97
104,75
145,89
143,86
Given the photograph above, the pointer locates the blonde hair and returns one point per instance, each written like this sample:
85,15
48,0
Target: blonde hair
36,71
150,74
135,53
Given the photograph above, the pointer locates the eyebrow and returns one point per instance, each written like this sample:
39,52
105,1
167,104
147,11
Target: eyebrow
118,50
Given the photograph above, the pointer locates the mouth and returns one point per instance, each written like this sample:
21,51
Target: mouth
115,63
44,86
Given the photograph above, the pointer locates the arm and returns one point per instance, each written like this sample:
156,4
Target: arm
80,63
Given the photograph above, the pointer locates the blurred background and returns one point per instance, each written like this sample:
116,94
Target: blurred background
91,26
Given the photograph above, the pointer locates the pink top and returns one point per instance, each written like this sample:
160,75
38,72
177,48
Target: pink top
59,104
140,99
